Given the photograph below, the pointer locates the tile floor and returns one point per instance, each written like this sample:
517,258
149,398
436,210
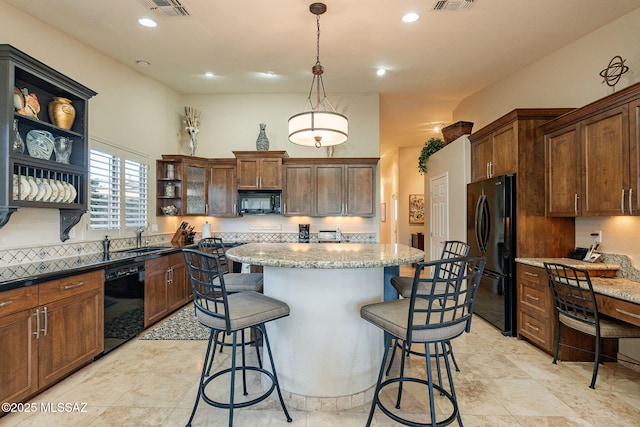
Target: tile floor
503,382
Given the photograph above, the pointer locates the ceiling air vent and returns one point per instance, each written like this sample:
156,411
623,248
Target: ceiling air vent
167,7
453,4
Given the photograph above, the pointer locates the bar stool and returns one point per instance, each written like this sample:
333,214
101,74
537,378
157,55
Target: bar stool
231,313
403,284
577,309
437,311
235,282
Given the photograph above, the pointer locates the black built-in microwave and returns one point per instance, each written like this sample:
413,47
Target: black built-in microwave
259,202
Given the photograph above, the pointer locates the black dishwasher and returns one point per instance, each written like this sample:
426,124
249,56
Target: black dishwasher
123,303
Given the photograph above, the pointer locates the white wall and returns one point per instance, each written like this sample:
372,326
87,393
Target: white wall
410,182
454,160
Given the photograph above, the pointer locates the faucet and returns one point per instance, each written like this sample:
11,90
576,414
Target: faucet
139,232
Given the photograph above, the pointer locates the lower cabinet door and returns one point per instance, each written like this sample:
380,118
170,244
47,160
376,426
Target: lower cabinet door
19,356
178,288
155,290
71,334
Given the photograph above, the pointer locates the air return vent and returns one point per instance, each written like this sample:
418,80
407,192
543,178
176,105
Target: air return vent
167,7
453,4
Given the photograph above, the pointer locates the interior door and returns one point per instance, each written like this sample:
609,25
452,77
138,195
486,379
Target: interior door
439,208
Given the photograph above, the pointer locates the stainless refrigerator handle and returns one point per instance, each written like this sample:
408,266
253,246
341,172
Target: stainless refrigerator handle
476,224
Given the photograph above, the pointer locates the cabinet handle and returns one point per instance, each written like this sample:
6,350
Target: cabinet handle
532,297
530,274
491,169
46,321
260,182
487,173
622,202
257,182
75,285
529,325
575,204
37,332
631,201
5,303
626,313
235,209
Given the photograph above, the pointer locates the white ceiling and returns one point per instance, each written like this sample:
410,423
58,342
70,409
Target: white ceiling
432,63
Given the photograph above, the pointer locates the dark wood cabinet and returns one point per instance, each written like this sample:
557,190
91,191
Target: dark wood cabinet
25,178
49,330
259,170
495,153
329,187
592,158
165,287
222,193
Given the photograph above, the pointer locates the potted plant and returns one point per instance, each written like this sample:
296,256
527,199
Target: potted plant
432,146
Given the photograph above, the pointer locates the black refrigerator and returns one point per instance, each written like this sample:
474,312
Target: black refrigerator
491,233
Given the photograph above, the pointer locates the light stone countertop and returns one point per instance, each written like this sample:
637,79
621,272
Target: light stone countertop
325,255
615,287
539,262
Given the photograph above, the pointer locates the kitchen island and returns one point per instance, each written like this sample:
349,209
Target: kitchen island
326,355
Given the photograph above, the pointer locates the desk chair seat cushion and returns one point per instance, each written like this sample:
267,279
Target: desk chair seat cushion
609,328
246,309
392,317
242,282
403,285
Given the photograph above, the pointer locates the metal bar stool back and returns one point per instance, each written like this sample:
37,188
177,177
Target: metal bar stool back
235,282
576,308
437,311
231,313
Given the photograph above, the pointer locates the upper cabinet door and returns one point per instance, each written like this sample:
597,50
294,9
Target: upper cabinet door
329,190
361,190
196,185
222,200
270,174
605,163
505,150
299,190
248,172
634,158
480,159
563,172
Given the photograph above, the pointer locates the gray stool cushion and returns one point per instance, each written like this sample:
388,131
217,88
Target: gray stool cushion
608,327
246,309
403,285
242,282
392,317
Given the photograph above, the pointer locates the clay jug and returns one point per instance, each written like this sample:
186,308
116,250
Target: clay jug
62,113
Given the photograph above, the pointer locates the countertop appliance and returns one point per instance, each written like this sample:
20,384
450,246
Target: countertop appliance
491,233
329,236
123,303
259,202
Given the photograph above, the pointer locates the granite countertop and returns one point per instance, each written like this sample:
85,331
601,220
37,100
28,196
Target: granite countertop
539,262
325,255
615,287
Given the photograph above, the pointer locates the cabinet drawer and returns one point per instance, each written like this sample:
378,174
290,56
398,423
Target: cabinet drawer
538,330
18,299
533,297
619,309
533,276
69,286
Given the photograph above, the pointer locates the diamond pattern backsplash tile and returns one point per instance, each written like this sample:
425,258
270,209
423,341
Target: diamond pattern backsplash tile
32,256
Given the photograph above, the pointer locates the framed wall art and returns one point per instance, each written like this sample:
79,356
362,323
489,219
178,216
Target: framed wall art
416,208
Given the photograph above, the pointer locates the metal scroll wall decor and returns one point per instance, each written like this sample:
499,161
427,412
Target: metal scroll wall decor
616,68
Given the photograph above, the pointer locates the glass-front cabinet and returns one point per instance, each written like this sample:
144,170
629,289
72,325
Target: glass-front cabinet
196,184
43,139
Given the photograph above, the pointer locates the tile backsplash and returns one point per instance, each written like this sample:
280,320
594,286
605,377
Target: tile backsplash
11,257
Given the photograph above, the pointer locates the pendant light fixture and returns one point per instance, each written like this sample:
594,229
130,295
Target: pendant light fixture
318,125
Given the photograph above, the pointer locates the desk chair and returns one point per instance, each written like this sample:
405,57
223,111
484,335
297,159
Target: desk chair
576,308
403,284
230,313
437,311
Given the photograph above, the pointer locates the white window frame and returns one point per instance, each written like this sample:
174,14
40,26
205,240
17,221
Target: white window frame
127,191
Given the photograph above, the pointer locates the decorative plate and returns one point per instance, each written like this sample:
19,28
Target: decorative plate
67,191
54,190
60,192
47,190
25,188
34,188
41,189
74,193
15,186
40,144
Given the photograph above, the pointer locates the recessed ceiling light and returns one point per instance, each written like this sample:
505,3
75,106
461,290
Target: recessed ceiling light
208,74
143,63
147,22
270,73
410,17
381,71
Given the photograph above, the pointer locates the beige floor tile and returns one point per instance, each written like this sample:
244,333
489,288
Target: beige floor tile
124,416
527,397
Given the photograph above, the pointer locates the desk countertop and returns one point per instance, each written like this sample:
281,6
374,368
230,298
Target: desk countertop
615,287
325,255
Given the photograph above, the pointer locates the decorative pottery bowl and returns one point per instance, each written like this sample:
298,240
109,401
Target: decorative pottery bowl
40,144
169,210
